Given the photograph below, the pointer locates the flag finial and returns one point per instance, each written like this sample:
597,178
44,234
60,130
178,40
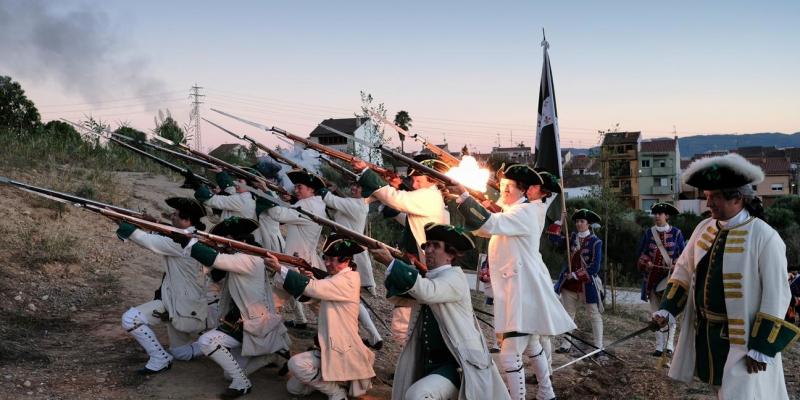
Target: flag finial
544,41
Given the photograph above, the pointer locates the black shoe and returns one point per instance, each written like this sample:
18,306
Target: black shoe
494,350
562,350
669,353
147,371
657,353
284,369
234,393
292,324
377,346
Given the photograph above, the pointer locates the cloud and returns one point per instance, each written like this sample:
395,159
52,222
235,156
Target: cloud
79,49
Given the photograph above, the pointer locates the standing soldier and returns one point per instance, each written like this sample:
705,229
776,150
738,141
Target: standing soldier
180,301
583,284
422,205
520,279
302,234
341,364
446,356
249,319
660,247
352,214
234,202
731,283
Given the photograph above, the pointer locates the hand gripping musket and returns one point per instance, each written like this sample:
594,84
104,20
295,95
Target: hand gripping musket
359,238
165,163
215,241
439,152
74,200
448,181
272,153
309,144
649,327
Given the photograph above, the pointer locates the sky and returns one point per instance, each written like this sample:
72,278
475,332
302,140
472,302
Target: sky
467,72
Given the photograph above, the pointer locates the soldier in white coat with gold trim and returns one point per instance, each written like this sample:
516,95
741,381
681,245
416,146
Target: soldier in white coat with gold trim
525,306
731,283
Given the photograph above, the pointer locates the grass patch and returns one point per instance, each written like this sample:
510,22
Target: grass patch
42,247
17,335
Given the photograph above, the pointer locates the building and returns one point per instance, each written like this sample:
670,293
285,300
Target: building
659,172
229,151
777,178
362,128
519,154
619,163
582,165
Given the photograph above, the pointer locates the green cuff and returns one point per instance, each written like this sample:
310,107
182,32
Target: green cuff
295,283
370,181
770,335
475,215
401,279
203,193
263,204
125,230
675,299
224,180
204,254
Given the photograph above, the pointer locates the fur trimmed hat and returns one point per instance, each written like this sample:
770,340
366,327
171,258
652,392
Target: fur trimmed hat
722,172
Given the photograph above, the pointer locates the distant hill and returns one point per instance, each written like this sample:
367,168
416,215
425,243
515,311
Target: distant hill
691,145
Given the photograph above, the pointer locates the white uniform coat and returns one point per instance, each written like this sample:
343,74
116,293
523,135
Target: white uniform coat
235,205
352,214
270,231
248,286
302,234
758,263
524,300
421,205
446,291
183,290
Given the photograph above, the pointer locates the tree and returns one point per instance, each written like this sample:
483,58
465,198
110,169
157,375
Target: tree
133,133
374,134
17,112
65,132
168,128
403,120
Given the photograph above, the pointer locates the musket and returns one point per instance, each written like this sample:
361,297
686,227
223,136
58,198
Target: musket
75,200
309,144
214,162
359,238
439,152
210,240
272,153
165,163
649,327
448,181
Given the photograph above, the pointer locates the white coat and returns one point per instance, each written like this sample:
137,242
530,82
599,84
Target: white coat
302,234
352,214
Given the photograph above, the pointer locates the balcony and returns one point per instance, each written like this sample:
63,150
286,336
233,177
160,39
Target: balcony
662,171
661,190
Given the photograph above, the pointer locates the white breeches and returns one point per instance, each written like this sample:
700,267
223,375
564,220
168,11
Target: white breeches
571,300
366,321
510,360
307,377
432,387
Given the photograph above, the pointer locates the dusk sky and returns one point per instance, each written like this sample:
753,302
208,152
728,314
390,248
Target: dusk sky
466,71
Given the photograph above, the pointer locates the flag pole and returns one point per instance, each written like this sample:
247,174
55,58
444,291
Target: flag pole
565,227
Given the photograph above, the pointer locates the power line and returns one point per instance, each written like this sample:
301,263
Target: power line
194,116
110,101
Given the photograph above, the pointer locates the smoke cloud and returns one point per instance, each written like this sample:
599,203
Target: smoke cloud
78,49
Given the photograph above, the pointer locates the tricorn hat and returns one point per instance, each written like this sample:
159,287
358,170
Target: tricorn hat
586,214
429,162
722,172
337,246
303,177
453,235
522,173
235,227
187,206
550,182
664,208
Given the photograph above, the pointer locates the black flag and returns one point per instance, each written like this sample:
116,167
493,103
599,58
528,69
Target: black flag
548,147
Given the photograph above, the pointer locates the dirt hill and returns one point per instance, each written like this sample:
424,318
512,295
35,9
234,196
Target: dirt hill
65,280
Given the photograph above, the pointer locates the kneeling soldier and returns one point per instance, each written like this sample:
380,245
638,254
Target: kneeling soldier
446,356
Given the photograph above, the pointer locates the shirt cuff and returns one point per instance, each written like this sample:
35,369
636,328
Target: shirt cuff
389,268
462,197
760,357
284,270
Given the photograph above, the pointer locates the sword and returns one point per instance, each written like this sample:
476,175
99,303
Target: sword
588,344
582,350
649,327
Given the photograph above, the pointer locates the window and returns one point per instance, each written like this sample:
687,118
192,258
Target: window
332,140
664,182
777,187
645,163
662,163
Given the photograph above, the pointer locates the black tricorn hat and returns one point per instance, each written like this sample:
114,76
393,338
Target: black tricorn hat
664,208
337,246
586,214
234,227
522,173
429,162
722,172
187,206
550,182
453,235
303,177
